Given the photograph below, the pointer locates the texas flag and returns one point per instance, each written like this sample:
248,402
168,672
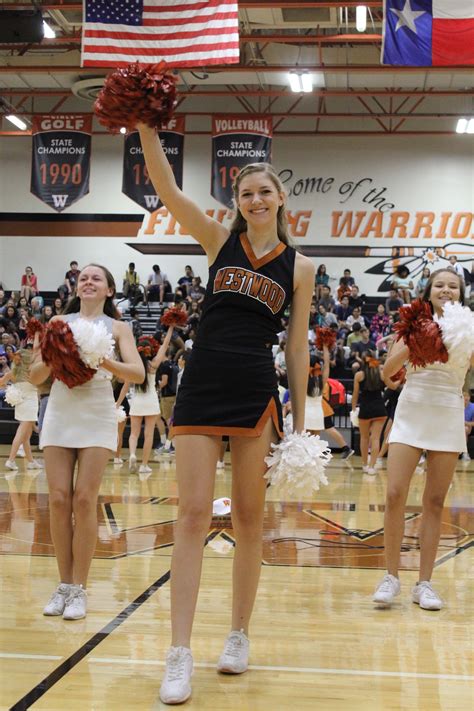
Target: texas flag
425,33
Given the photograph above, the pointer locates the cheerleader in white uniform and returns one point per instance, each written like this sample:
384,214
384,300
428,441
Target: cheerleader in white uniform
430,416
145,403
26,411
80,426
317,379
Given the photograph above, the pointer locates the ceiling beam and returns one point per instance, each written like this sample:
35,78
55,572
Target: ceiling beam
45,93
291,115
249,68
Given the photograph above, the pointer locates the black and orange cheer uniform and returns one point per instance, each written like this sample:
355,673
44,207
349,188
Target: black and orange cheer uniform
229,386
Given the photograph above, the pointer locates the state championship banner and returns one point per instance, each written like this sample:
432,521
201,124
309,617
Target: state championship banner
60,162
136,183
237,141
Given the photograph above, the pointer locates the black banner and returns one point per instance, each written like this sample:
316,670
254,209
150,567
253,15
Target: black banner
135,181
236,141
60,163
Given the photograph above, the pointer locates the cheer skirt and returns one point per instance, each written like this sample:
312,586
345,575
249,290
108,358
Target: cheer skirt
223,393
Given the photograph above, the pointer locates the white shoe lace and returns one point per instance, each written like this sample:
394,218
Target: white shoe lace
427,589
386,586
233,646
175,666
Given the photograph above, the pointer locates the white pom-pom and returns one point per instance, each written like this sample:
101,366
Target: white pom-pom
355,417
296,465
93,340
13,395
121,414
457,328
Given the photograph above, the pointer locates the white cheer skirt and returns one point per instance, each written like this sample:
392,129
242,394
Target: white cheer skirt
145,403
430,413
27,411
313,414
80,417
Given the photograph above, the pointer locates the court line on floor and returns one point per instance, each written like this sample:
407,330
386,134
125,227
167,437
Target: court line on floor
13,655
68,664
294,670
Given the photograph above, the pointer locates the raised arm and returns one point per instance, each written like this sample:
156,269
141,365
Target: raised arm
297,352
355,391
208,232
39,372
161,355
326,365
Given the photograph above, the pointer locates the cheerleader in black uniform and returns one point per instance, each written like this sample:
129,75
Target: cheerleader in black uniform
229,388
367,393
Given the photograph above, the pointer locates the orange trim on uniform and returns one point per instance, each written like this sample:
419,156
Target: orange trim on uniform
254,261
270,411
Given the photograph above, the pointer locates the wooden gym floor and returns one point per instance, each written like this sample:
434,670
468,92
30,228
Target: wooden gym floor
317,641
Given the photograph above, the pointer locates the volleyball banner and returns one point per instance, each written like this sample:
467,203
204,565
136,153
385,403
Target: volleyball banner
136,183
60,164
237,141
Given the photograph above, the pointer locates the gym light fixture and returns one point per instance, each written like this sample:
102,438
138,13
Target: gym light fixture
16,121
49,33
361,18
461,125
300,82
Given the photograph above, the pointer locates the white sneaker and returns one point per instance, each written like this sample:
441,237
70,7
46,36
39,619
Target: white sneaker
57,601
176,685
118,461
76,603
465,457
11,464
34,465
235,657
371,471
144,469
424,596
21,451
132,463
365,468
379,463
220,465
158,452
386,590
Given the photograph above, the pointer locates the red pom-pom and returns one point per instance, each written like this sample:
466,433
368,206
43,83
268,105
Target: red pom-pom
325,337
139,93
174,317
399,376
33,327
421,334
59,351
148,345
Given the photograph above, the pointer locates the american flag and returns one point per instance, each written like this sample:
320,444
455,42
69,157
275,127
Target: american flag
185,33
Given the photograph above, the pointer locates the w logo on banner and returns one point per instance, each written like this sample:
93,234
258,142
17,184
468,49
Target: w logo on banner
59,201
151,201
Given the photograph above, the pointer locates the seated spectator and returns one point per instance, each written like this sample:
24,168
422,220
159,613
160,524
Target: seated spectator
402,282
4,369
422,282
355,299
11,316
393,303
468,422
322,279
356,316
58,306
355,335
194,314
46,314
131,285
22,325
156,284
36,307
343,289
456,267
70,280
135,324
280,365
343,311
313,315
196,291
3,301
326,299
22,303
29,284
380,323
184,283
189,342
325,318
360,348
350,281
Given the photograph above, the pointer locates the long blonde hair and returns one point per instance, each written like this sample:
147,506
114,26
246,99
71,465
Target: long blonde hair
239,224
